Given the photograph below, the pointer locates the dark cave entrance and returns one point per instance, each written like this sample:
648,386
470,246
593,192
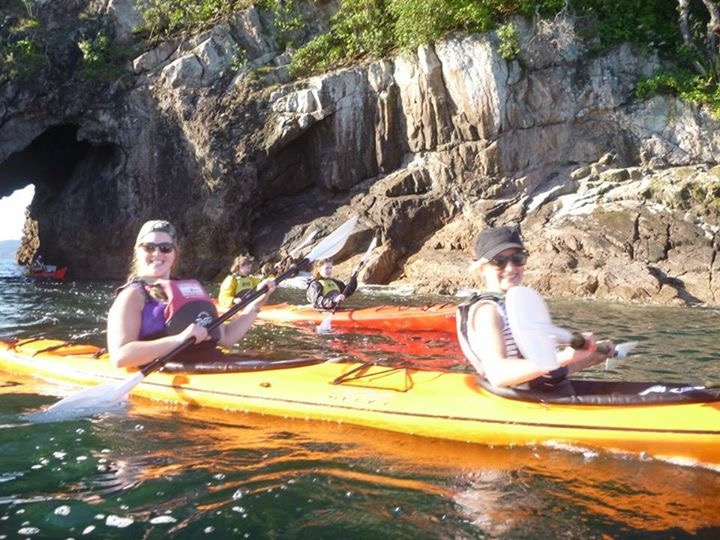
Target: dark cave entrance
48,163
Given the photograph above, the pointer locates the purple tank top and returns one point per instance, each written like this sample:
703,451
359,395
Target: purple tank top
152,321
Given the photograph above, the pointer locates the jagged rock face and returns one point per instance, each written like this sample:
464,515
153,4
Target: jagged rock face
614,195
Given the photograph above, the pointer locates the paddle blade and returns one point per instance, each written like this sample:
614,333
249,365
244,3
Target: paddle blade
334,242
295,252
621,351
90,401
532,328
325,327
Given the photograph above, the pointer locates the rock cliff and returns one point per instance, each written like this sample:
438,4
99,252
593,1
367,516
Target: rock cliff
617,197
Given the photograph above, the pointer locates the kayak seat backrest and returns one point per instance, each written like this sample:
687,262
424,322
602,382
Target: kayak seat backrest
594,392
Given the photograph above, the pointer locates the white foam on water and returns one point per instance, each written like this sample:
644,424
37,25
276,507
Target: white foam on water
119,522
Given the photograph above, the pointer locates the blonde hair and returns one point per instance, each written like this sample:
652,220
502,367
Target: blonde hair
476,270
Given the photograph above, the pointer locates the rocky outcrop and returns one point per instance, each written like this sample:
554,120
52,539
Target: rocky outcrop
616,196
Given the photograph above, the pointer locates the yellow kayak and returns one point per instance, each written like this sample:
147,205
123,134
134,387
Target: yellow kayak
672,423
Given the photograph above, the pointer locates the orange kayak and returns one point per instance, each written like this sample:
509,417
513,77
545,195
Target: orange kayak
669,421
57,274
436,317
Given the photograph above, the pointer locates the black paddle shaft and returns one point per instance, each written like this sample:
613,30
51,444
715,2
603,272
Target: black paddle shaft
246,300
346,290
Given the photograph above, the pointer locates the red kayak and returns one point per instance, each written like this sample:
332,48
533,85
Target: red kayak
57,274
436,317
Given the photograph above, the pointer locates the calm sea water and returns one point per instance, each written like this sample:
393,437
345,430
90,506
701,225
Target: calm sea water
157,471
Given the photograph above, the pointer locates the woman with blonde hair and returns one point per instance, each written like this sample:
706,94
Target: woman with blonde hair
484,331
152,314
238,282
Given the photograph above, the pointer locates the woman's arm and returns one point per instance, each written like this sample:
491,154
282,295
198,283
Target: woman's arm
499,370
123,331
351,286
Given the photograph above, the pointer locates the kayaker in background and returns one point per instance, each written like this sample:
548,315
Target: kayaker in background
238,282
152,314
326,292
37,264
483,329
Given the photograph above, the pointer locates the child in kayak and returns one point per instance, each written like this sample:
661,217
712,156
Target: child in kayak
483,329
238,282
152,314
326,292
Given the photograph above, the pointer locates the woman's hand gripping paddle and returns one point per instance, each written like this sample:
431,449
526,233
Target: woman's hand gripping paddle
325,327
100,398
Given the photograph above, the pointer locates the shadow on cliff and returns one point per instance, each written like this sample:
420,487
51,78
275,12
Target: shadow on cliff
675,283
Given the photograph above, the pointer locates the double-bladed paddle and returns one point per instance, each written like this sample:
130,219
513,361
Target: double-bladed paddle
326,325
105,396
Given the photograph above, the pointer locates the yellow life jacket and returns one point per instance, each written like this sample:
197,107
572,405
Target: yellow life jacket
328,286
233,286
245,283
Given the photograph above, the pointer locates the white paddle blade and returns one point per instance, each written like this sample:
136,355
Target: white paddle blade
325,327
295,253
99,396
561,336
94,400
532,328
334,242
621,351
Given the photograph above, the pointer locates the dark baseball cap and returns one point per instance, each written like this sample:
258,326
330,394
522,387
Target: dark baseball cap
490,242
156,225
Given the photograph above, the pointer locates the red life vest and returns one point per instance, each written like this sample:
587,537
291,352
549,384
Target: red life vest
188,302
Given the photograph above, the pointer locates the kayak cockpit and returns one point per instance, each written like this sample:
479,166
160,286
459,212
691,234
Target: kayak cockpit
596,392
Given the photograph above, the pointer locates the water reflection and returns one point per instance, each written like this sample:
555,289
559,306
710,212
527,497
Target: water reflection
182,471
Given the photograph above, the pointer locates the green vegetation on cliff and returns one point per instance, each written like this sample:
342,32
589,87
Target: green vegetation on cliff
375,27
164,18
32,38
686,38
684,32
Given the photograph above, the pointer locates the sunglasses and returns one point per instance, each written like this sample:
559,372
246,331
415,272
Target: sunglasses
518,259
164,247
